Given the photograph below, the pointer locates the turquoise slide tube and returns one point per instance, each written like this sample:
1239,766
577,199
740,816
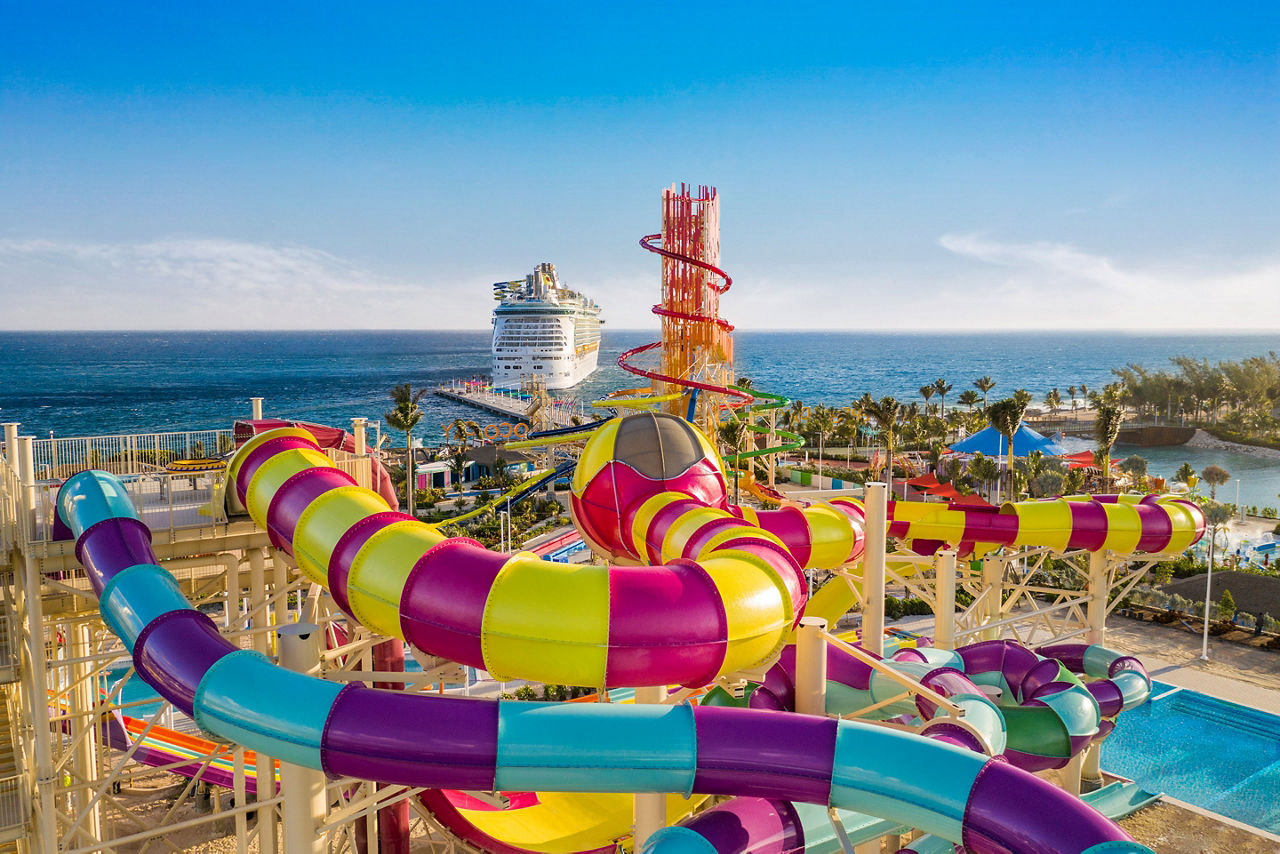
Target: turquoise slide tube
247,699
678,840
1134,687
869,777
90,500
576,747
1077,709
135,597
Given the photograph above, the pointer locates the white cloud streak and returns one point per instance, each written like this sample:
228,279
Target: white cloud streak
214,283
977,283
1048,276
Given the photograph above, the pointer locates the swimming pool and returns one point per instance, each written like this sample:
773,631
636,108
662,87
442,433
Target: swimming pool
1202,750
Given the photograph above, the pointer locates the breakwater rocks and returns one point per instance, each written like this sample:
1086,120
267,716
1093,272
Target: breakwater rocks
1201,439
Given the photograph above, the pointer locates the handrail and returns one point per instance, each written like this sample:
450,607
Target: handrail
911,686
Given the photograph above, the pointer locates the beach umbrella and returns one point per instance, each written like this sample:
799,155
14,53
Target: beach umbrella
972,501
990,442
944,490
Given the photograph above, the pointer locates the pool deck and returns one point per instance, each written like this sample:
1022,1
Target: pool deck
1234,672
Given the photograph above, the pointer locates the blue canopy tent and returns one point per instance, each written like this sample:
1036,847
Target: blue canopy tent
990,442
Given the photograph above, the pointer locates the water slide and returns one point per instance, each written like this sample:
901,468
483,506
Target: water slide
681,621
177,752
1121,524
516,494
739,396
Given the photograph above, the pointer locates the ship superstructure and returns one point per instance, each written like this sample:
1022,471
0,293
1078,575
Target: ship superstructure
543,331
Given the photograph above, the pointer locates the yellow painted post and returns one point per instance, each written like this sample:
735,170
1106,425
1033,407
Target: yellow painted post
258,599
876,505
650,809
944,599
811,667
993,588
1099,590
1071,774
303,808
86,743
1091,770
238,790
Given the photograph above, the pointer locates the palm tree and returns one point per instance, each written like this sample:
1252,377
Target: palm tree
1006,417
968,398
1053,400
941,386
847,420
885,412
984,470
1084,394
1184,473
1106,428
404,416
926,391
984,385
1215,476
822,422
732,433
458,464
795,415
1136,467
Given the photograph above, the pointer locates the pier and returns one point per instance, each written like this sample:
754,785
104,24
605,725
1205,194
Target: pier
536,408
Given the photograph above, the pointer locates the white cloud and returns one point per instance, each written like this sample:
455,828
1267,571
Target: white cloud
1106,293
215,283
978,282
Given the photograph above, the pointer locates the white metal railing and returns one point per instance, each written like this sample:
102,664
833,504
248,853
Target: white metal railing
133,453
12,811
164,501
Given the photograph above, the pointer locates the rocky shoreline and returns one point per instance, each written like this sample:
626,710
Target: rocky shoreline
1201,439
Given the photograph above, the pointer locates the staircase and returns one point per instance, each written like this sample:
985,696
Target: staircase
13,815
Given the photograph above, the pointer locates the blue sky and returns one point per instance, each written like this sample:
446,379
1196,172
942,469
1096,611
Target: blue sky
902,165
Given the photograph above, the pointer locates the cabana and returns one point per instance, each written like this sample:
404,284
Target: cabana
992,443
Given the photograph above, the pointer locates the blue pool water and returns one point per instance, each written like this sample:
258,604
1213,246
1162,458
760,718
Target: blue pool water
1202,750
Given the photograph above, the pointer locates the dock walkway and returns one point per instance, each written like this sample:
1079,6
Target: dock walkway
513,405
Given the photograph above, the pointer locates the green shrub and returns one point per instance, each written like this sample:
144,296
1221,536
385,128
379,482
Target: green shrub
1226,606
892,608
916,607
526,692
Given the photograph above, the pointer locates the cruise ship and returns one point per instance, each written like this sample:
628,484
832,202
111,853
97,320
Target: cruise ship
543,331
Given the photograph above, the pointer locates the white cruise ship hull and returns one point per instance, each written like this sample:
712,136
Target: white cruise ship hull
543,332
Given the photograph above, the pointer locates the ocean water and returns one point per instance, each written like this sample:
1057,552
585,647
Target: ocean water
94,383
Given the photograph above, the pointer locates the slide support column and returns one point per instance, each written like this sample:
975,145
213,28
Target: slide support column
876,506
944,599
1098,592
45,838
1091,770
650,809
303,788
992,588
811,667
86,743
